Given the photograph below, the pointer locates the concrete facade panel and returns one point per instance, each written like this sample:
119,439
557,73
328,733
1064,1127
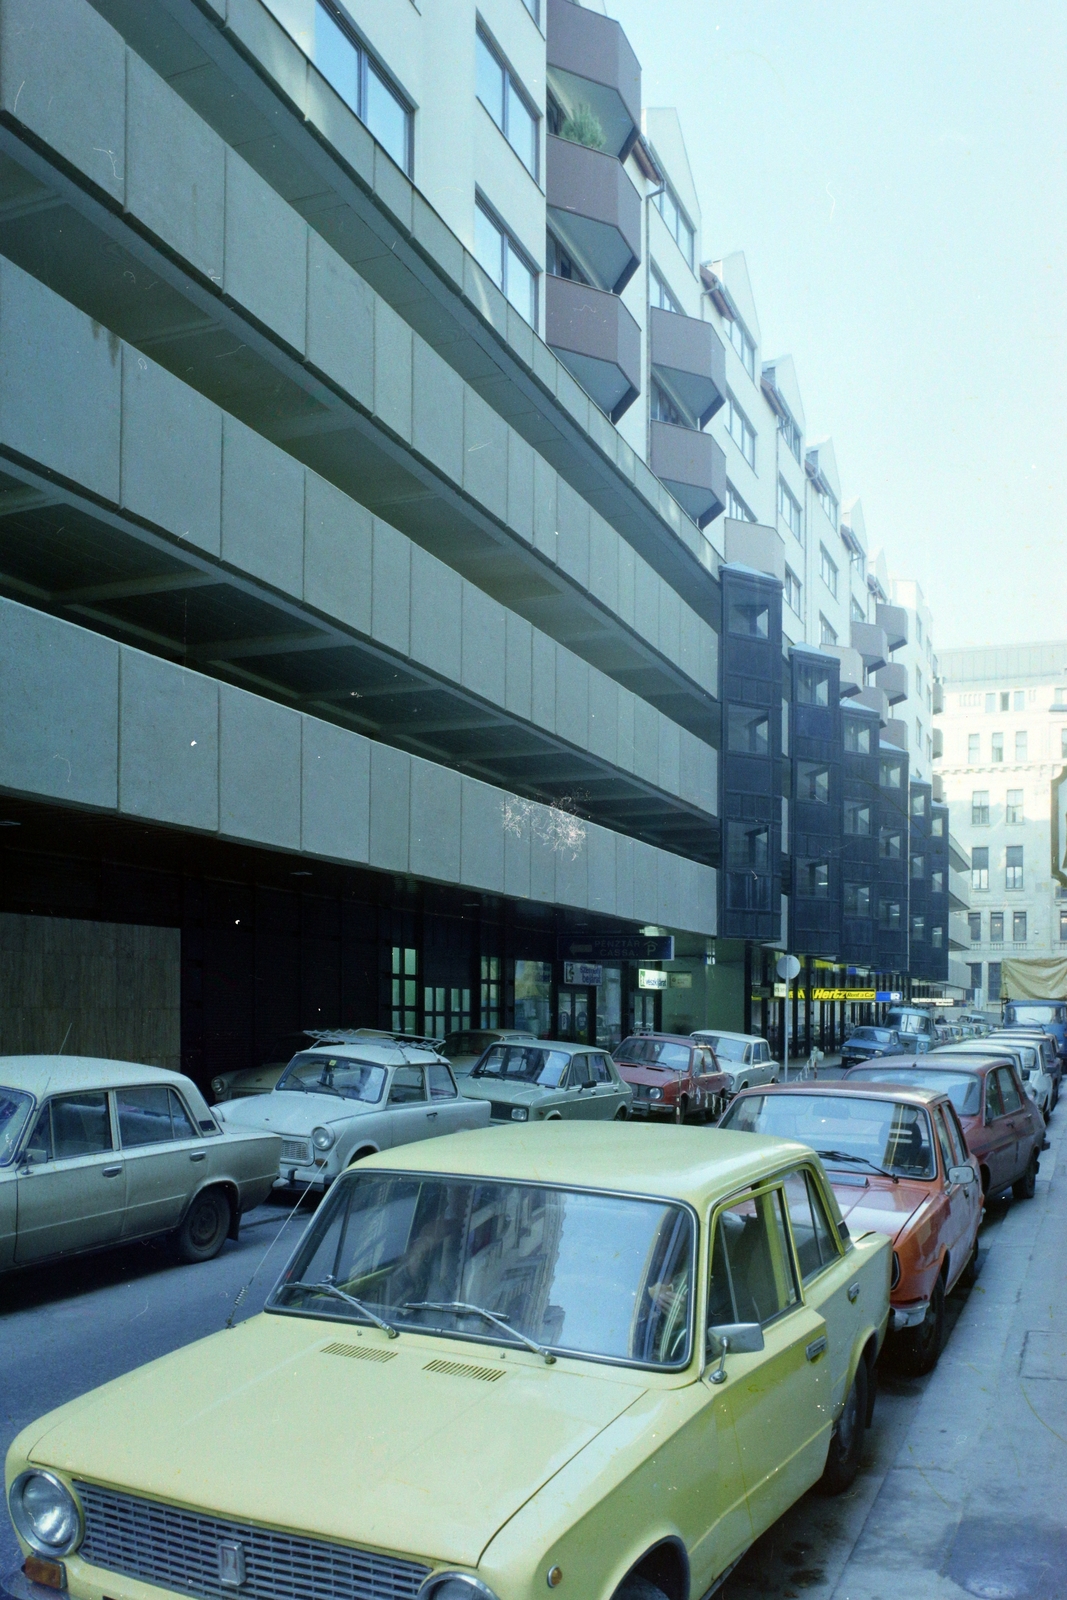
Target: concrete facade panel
390,808
573,528
545,522
543,700
168,742
392,369
646,742
436,816
602,868
262,508
520,486
572,698
484,649
436,614
259,769
624,876
543,841
437,410
340,321
604,547
517,848
572,865
604,696
338,554
266,253
483,837
485,454
176,184
60,384
391,601
627,583
335,792
63,75
59,689
171,453
625,752
645,883
646,601
669,755
518,666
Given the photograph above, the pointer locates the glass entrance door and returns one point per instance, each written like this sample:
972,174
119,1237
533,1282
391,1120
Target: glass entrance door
574,1013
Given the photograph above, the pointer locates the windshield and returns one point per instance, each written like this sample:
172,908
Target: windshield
654,1053
15,1108
872,1036
1034,1013
320,1072
962,1088
725,1049
523,1063
876,1133
591,1274
906,1022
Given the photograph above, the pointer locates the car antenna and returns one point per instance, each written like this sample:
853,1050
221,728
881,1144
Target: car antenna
242,1292
66,1036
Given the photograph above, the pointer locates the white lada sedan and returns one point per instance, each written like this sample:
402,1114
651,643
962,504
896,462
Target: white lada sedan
339,1102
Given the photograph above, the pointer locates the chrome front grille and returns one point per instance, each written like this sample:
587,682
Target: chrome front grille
296,1150
180,1550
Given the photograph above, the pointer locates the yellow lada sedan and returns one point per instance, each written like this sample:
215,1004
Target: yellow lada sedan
594,1358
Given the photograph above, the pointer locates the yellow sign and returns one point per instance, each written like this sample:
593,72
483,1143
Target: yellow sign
844,994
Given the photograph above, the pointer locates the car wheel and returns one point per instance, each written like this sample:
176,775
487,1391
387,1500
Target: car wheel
207,1222
621,1114
919,1348
846,1441
1025,1188
639,1589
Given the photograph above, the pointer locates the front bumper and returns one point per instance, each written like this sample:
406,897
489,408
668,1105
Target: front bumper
316,1179
16,1586
910,1316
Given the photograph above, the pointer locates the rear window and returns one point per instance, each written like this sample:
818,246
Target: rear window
655,1052
963,1088
872,1035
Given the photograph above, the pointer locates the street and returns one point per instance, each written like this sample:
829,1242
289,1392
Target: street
960,1491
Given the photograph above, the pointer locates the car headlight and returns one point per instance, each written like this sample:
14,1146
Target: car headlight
45,1513
218,1085
454,1586
519,1113
877,1052
655,1094
323,1138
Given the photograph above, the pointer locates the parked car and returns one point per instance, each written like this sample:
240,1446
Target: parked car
464,1050
916,1027
1044,1042
744,1057
262,1079
338,1103
608,1331
1024,1057
898,1162
96,1153
866,1043
1051,1015
1004,1130
545,1080
672,1076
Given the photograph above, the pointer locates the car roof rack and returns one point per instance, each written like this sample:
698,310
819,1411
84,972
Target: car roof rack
413,1041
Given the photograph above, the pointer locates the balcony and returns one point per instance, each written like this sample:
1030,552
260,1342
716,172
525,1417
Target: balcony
693,468
596,338
874,699
851,668
871,642
591,62
896,734
894,619
939,697
595,211
688,356
939,744
894,680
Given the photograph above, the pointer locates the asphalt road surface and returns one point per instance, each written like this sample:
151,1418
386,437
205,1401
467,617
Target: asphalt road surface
925,1520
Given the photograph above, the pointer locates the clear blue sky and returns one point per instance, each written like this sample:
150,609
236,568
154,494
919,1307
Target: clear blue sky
896,176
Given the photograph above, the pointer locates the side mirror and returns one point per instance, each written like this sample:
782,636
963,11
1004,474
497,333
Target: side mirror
742,1338
962,1174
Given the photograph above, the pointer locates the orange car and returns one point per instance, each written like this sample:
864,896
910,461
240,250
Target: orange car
898,1163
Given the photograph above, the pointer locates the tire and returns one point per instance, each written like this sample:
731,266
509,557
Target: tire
620,1115
639,1589
207,1222
1025,1188
846,1441
918,1349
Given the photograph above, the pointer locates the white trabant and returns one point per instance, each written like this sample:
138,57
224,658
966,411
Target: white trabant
744,1057
339,1102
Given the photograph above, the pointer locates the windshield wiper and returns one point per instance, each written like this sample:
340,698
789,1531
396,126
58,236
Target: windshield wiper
328,1287
489,1316
846,1155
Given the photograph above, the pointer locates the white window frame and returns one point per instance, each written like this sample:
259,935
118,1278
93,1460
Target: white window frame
509,246
828,570
662,299
740,430
743,342
510,85
366,65
682,229
827,631
790,510
793,591
736,507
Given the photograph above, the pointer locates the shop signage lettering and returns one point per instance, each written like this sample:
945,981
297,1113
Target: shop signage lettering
583,973
601,947
649,978
679,980
858,996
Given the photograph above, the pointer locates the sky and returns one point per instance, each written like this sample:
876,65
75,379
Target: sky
897,177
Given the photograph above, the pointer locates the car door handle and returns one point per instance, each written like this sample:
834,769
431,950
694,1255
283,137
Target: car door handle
430,1115
111,1172
816,1348
853,1293
198,1155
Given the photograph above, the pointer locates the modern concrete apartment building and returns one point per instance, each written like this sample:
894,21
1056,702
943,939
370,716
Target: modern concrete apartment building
368,609
1003,733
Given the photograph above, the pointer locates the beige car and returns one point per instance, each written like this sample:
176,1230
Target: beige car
96,1153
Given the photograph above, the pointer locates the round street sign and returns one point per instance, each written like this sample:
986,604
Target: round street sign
787,968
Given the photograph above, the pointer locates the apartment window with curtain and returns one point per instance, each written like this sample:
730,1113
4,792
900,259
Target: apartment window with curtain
857,900
793,590
918,930
678,224
507,102
937,938
980,808
857,817
736,507
738,336
789,510
856,611
1018,927
1013,810
828,570
996,927
827,633
996,752
660,296
1063,926
1013,867
1020,745
857,737
980,867
974,926
740,430
361,81
994,980
505,262
974,749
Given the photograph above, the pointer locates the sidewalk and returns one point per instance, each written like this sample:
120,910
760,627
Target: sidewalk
973,1504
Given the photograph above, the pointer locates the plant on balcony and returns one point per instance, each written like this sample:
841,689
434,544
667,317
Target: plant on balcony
583,126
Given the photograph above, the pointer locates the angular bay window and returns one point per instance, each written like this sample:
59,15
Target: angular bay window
813,782
918,866
813,879
813,684
890,844
857,737
362,82
889,915
857,817
857,900
504,261
751,619
748,875
748,730
889,774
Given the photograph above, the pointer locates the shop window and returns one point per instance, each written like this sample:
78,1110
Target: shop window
489,998
533,997
405,990
446,1009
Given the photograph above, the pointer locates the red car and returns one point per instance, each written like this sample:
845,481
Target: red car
1005,1131
673,1076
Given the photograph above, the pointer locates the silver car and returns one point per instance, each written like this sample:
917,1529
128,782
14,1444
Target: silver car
744,1057
96,1153
338,1102
464,1050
